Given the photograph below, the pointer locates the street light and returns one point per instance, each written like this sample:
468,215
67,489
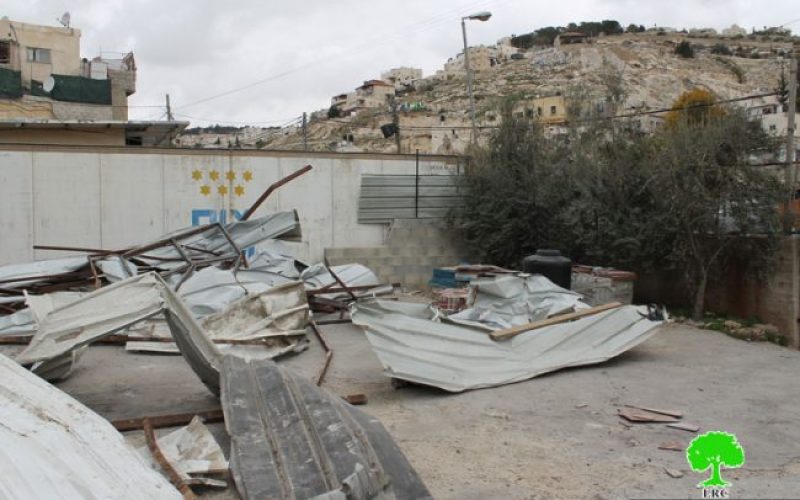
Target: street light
479,16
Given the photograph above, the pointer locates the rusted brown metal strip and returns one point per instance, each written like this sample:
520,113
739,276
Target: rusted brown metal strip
172,474
328,352
339,280
359,288
272,188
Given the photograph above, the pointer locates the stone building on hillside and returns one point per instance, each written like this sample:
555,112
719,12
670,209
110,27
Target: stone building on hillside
42,76
401,77
734,30
371,95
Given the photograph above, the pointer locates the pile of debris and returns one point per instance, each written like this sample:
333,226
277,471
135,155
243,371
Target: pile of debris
230,299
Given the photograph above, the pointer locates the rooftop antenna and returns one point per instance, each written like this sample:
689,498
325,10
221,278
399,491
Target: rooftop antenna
65,18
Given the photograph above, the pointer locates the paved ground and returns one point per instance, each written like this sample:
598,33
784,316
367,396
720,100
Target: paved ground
556,436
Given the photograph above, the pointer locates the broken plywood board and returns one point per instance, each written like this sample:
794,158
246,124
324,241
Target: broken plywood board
51,446
291,439
412,346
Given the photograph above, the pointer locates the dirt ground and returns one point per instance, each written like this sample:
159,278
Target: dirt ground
556,436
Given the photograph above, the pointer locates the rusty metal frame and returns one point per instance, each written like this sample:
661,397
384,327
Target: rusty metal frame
172,474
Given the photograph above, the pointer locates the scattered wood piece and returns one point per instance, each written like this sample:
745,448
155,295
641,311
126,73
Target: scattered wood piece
508,333
132,424
356,399
685,426
637,415
671,413
673,473
582,405
672,446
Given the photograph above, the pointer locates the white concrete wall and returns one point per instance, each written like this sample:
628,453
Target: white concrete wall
116,197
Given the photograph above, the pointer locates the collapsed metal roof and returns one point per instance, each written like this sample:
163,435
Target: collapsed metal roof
51,446
292,439
412,346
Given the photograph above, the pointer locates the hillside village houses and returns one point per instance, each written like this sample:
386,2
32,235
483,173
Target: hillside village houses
49,94
402,77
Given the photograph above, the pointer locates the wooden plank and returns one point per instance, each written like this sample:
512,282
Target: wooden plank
174,420
685,426
671,413
508,333
643,416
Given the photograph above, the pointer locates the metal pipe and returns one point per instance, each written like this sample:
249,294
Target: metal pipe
272,188
328,352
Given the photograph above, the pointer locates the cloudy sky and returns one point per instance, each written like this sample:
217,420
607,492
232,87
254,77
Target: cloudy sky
264,62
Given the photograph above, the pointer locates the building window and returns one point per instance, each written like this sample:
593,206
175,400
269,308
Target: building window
539,111
552,110
38,55
5,52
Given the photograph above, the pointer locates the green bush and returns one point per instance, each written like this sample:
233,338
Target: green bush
685,50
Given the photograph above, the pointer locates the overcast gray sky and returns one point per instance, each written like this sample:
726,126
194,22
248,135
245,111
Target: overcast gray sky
292,56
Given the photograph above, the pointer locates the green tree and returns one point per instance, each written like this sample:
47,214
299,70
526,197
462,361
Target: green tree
334,112
719,208
517,189
715,450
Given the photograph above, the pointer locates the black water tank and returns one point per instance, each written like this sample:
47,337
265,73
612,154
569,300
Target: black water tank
550,264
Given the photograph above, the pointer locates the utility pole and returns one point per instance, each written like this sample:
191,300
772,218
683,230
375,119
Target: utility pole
395,122
469,81
169,110
791,167
305,132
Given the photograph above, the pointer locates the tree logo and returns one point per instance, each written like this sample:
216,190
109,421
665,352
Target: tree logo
715,450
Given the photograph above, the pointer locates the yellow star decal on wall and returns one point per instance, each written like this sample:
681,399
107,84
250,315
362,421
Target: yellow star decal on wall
239,190
214,175
222,190
197,175
230,175
205,190
248,175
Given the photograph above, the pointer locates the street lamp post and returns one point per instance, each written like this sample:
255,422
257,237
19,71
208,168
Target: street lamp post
480,16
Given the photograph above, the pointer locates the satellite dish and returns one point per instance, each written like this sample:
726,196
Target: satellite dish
65,18
48,84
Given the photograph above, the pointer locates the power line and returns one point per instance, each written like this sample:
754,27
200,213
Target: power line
431,23
283,121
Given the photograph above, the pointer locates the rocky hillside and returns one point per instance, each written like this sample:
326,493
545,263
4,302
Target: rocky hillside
641,70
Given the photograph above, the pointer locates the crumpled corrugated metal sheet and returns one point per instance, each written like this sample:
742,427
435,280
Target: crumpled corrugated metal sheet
99,313
411,346
51,446
41,268
508,300
280,225
280,313
292,439
317,276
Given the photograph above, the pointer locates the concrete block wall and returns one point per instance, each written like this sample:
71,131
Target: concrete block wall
414,247
81,111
